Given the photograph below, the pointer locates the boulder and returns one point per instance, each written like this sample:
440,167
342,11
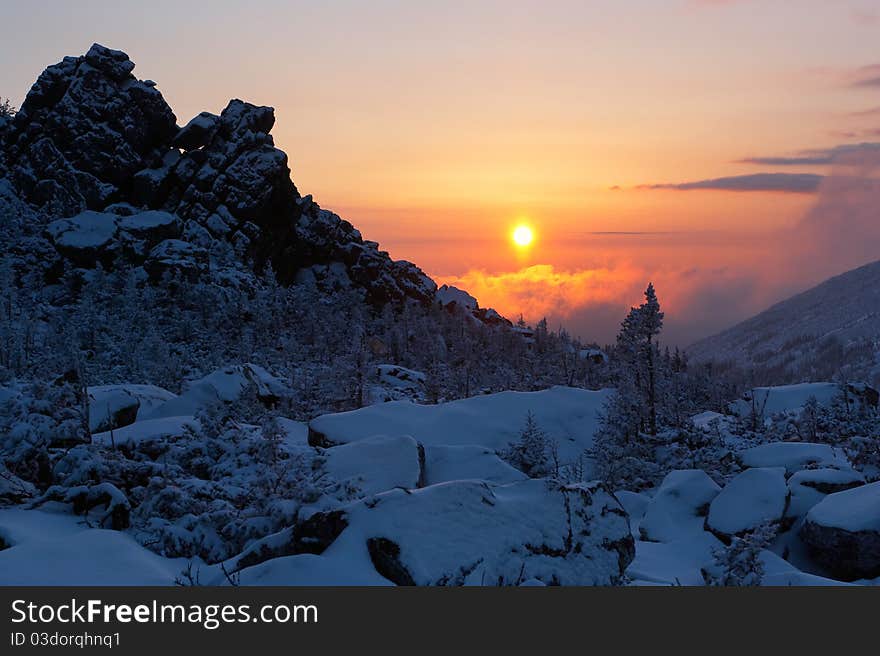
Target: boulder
810,486
111,407
794,456
842,532
466,532
85,239
151,227
174,257
679,507
223,385
458,463
376,464
754,497
197,133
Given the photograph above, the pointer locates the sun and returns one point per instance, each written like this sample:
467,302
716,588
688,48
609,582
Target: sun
523,235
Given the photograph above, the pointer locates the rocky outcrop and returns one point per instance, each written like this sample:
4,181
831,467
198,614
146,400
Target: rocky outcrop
85,128
92,137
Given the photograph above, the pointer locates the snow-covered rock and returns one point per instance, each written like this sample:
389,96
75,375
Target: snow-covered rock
458,463
842,532
376,464
466,532
86,237
226,384
453,296
635,504
754,497
679,507
177,258
567,415
146,430
794,456
810,486
110,407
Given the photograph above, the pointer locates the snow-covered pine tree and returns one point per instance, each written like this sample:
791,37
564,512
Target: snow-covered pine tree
531,451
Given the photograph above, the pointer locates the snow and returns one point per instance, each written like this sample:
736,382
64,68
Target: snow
673,563
704,419
852,510
85,230
226,384
376,464
447,295
55,549
678,508
468,533
753,497
149,396
493,421
806,487
455,463
145,222
311,570
794,456
106,402
149,429
635,504
784,398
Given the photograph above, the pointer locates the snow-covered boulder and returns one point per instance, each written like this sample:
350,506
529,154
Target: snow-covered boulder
111,406
810,486
679,507
376,464
146,431
454,297
567,415
467,532
842,532
86,238
226,384
754,497
176,257
150,227
198,132
794,456
459,463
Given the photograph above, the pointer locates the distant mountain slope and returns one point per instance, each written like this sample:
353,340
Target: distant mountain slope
833,328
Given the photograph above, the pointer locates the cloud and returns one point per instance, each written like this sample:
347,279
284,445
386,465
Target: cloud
842,230
801,183
816,157
867,77
592,302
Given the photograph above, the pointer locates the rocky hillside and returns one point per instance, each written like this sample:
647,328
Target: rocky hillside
102,150
826,331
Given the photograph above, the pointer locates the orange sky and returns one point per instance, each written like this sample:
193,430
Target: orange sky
435,126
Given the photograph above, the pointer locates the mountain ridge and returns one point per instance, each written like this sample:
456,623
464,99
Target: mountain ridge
825,331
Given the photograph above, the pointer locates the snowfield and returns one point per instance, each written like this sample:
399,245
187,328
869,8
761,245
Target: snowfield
421,494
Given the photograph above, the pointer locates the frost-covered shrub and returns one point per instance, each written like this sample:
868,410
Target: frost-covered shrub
739,563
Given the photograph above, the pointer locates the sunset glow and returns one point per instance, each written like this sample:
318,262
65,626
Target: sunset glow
666,149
